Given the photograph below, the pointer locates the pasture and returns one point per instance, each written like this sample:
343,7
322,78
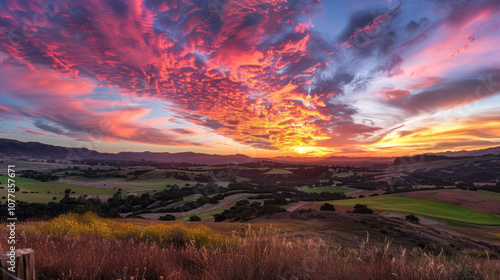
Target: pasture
486,202
46,191
276,171
424,207
18,180
327,189
342,175
155,183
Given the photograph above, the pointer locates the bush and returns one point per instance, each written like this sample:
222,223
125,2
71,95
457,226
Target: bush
167,217
219,217
412,218
243,202
194,218
327,207
362,209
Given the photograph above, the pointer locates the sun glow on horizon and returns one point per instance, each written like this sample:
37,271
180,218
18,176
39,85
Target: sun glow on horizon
264,78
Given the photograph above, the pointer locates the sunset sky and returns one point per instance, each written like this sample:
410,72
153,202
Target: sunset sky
261,78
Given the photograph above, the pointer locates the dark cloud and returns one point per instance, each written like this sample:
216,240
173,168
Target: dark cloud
449,94
359,20
40,124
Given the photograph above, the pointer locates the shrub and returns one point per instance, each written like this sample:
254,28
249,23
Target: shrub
194,218
412,218
327,207
362,209
219,217
243,202
167,217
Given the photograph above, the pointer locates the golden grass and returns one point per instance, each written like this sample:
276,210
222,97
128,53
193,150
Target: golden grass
90,224
96,250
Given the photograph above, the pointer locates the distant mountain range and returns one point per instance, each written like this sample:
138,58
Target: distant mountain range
464,153
9,147
341,160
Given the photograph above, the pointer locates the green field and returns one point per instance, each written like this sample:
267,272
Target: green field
434,209
161,183
90,180
327,189
56,190
47,167
156,183
277,172
241,179
18,180
489,195
342,175
191,197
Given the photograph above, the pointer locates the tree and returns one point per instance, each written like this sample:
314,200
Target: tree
54,198
194,218
243,202
67,191
362,209
256,204
327,207
412,219
219,217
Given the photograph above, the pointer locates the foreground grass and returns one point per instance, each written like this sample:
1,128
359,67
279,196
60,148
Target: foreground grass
251,254
90,225
424,207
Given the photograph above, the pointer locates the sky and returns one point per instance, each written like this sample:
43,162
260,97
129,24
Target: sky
262,78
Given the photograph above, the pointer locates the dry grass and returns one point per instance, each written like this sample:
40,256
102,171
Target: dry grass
254,254
91,225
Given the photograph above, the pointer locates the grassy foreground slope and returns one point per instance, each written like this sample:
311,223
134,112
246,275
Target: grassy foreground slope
424,207
88,247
